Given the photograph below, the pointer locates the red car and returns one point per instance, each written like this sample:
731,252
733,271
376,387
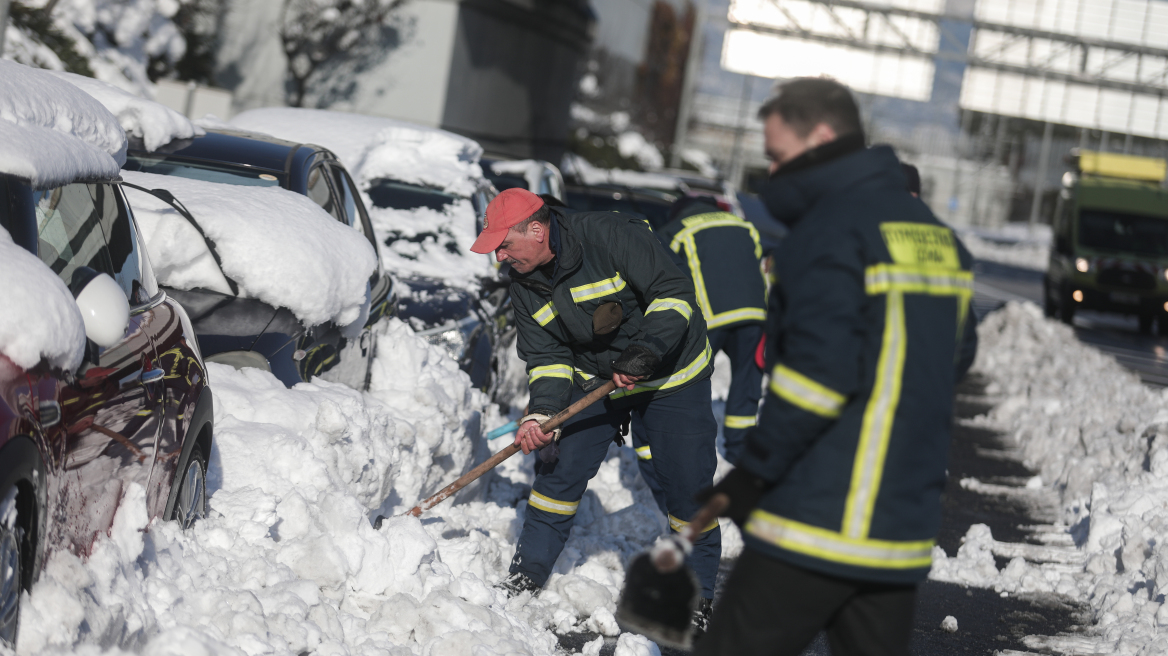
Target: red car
137,409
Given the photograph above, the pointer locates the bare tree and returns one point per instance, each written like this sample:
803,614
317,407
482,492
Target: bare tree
322,38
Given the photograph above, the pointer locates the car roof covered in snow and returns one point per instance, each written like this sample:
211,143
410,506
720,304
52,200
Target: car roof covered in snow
53,133
231,147
152,122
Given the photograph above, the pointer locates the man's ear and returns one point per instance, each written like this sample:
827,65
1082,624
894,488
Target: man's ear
538,232
820,134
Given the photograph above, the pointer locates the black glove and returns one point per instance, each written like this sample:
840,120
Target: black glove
744,490
636,360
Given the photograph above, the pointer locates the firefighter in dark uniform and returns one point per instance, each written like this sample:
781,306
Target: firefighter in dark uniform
838,489
598,298
722,254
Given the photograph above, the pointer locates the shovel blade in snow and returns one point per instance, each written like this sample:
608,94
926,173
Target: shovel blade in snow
659,606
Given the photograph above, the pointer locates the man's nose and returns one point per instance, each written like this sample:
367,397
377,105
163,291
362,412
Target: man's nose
499,256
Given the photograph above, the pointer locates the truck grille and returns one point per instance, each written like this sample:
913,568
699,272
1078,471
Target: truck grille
1127,279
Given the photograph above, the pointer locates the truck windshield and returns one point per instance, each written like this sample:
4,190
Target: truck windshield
1125,233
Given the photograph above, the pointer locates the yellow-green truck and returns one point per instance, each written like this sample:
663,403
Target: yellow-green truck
1110,246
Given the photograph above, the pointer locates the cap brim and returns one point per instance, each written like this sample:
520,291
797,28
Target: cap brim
488,241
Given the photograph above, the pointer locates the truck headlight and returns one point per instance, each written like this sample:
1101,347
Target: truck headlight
1082,264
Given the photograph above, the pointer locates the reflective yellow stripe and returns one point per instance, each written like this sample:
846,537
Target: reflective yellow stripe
799,390
545,314
876,429
671,304
644,453
740,421
913,279
676,524
678,378
597,289
696,224
552,505
734,316
829,545
550,371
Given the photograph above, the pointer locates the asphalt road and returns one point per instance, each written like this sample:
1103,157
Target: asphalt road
1147,355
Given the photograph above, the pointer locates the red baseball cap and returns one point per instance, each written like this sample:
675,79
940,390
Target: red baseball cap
510,207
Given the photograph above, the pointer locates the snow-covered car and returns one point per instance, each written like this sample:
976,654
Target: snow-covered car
102,385
426,196
534,175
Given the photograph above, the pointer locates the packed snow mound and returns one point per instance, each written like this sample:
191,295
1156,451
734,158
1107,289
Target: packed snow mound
52,133
154,123
372,148
40,318
1099,437
279,246
288,561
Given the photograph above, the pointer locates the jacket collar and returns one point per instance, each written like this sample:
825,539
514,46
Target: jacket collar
565,244
799,185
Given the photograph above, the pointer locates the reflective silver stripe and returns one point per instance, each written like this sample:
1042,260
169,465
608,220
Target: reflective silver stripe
676,379
883,278
740,421
671,304
801,391
876,428
550,371
537,500
829,545
597,289
545,314
644,453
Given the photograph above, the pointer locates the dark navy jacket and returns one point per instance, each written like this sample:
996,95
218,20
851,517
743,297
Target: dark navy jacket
722,254
602,258
870,328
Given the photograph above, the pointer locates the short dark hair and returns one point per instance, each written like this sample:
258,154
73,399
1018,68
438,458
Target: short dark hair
805,102
542,215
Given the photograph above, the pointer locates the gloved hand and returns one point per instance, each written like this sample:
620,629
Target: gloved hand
529,437
744,490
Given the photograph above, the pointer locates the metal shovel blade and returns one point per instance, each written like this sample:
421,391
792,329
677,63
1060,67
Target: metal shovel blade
658,606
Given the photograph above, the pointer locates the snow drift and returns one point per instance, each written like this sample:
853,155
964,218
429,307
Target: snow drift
154,123
40,317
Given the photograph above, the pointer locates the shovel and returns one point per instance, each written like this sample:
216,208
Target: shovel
473,475
660,592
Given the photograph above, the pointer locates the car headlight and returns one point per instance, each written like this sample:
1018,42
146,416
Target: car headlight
1082,264
453,338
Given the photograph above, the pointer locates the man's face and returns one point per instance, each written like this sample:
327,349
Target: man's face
525,250
784,144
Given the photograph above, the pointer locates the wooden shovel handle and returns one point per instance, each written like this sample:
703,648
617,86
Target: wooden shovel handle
546,427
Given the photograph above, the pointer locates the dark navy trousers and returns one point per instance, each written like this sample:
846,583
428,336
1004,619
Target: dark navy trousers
740,343
680,431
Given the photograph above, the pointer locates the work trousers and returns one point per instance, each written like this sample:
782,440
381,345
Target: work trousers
740,343
680,429
772,608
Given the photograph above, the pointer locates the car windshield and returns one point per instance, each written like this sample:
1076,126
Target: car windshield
394,195
205,171
1125,233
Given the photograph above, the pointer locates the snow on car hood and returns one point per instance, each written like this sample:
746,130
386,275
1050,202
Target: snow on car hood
426,243
372,147
279,246
52,133
40,317
154,123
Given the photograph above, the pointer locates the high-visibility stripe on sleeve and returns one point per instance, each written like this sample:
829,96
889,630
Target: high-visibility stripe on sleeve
644,453
537,500
740,421
681,377
734,316
681,306
677,524
799,390
916,279
598,289
831,546
545,314
550,371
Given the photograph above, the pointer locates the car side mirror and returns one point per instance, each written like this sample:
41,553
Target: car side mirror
103,305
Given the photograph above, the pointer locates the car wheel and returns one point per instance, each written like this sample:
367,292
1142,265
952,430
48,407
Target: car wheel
192,496
1066,307
1049,307
11,579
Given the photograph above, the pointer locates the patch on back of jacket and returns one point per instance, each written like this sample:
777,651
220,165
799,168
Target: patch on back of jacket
921,244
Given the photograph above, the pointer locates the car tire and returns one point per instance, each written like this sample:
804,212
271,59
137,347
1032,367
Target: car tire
1049,307
191,504
1066,307
11,584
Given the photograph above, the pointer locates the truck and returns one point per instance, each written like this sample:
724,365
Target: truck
1110,240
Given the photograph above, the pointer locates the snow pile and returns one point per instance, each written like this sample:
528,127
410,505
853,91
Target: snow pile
372,148
288,562
1012,244
52,133
40,318
530,169
116,39
155,124
577,167
633,145
280,247
1100,438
